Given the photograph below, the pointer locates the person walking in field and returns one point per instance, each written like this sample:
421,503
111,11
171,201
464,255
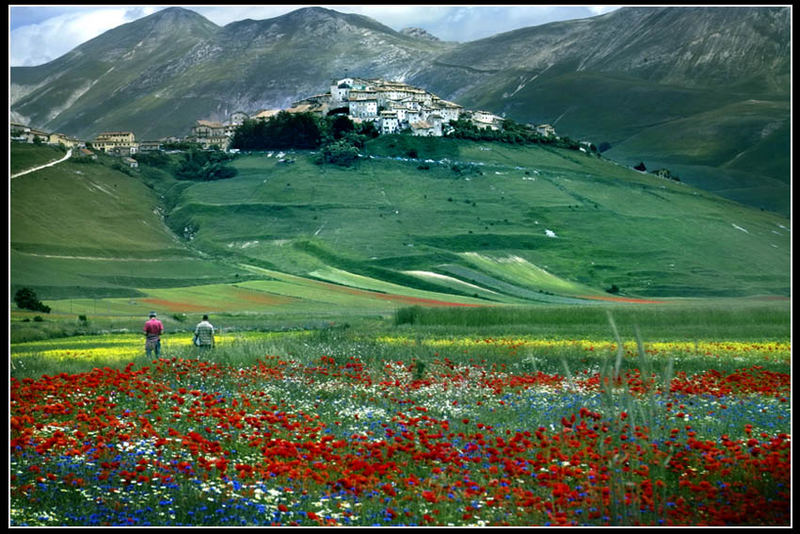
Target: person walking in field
204,335
153,329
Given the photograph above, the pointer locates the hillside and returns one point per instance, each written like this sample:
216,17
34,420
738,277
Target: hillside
690,88
595,79
462,223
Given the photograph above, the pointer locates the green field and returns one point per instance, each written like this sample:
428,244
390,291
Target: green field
429,222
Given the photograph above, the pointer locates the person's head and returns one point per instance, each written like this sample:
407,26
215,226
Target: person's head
205,317
153,314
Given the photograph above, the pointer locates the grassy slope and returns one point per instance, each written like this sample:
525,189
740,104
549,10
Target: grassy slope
27,156
613,226
303,238
718,140
90,230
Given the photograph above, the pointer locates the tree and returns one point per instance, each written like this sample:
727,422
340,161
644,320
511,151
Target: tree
340,153
27,300
283,131
205,165
640,167
341,126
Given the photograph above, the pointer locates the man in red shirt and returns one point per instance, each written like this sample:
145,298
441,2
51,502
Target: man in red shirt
152,331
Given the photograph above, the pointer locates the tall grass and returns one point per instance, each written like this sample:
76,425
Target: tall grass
742,321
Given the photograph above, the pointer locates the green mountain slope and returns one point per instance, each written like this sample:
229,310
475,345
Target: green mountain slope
710,80
463,223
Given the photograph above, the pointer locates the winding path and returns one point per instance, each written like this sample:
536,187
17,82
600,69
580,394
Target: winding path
65,158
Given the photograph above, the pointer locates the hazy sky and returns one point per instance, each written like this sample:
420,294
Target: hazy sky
38,34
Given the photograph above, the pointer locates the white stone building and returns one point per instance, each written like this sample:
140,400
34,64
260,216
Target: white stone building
389,122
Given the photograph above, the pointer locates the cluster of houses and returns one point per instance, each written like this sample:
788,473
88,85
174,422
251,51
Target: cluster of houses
391,106
121,144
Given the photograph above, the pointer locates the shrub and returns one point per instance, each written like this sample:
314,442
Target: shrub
340,153
26,299
205,165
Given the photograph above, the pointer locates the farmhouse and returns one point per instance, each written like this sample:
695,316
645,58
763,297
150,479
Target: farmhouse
85,152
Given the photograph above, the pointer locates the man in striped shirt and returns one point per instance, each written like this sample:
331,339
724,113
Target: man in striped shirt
204,335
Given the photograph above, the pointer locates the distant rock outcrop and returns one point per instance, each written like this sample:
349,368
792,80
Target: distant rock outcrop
419,33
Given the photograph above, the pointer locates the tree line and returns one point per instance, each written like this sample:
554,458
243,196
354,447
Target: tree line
513,133
337,137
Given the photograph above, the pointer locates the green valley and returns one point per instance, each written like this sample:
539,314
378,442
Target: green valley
461,223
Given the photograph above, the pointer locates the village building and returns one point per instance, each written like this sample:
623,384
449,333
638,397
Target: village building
485,119
209,134
363,104
85,152
149,146
389,122
422,129
238,117
25,134
266,114
108,141
391,106
62,139
546,130
204,128
130,162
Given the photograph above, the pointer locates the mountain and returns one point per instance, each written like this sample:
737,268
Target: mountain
97,86
701,91
157,83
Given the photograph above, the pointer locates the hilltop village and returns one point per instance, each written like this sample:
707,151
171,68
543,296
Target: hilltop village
391,106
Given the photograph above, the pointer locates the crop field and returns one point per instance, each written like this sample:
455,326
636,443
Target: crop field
429,423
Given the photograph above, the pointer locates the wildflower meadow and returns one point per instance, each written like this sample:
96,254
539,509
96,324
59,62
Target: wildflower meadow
394,429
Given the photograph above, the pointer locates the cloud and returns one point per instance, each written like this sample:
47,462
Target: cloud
50,38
